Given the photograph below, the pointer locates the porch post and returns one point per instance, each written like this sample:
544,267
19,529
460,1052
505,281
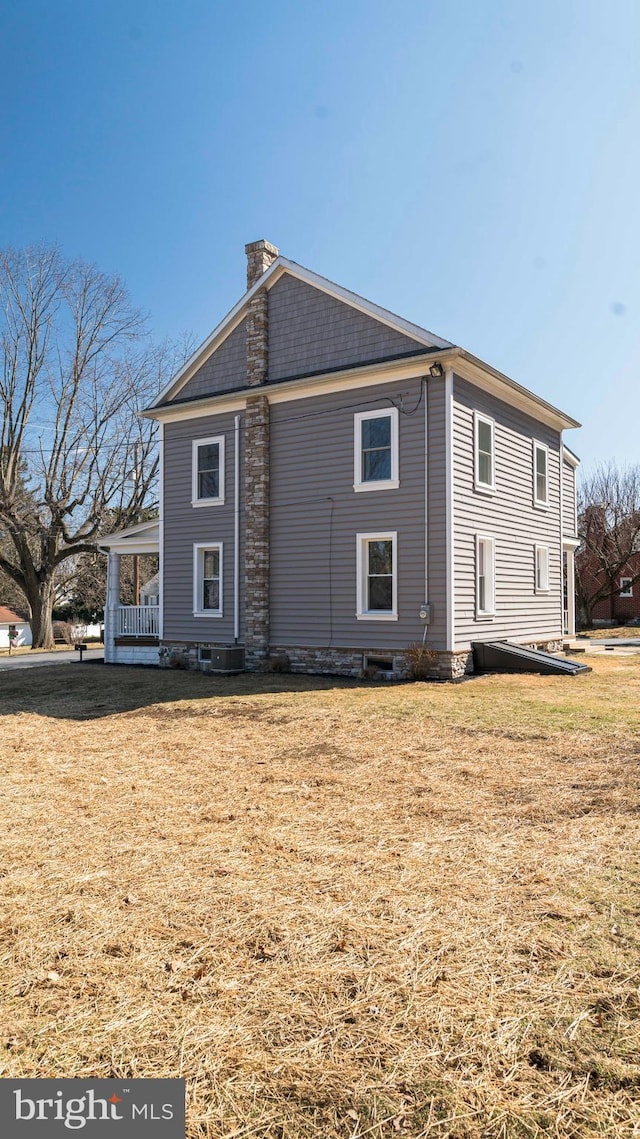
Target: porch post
111,608
571,593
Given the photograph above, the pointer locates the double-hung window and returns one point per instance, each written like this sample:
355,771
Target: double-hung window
542,569
484,432
626,587
540,474
377,580
376,450
208,471
207,579
485,576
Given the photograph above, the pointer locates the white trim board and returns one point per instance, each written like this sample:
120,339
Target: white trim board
449,511
367,375
569,457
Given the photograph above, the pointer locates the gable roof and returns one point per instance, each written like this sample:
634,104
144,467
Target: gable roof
141,539
280,266
10,617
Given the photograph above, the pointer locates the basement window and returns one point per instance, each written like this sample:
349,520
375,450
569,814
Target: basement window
205,654
381,664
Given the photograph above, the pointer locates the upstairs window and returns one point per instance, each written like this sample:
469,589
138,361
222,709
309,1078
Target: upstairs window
376,450
484,452
540,474
626,588
207,580
377,585
208,471
542,569
485,576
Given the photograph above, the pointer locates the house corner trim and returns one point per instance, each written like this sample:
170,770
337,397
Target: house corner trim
449,508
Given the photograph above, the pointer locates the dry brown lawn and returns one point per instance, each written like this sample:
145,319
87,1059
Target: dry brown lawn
617,631
337,909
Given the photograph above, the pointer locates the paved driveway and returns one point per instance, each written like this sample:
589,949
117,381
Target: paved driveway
40,660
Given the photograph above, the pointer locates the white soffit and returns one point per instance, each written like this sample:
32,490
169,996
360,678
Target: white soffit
141,539
361,376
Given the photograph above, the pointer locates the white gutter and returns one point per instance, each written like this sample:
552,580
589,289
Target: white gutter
236,529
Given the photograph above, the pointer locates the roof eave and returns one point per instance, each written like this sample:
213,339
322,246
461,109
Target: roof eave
520,396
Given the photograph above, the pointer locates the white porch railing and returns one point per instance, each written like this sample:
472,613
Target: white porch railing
137,620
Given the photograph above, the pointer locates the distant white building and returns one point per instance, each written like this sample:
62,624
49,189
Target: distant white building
9,621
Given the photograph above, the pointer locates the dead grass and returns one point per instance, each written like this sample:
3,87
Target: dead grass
615,632
338,910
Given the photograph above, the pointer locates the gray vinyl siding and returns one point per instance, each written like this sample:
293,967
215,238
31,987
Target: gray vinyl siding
568,501
509,516
316,515
185,525
310,331
225,369
437,494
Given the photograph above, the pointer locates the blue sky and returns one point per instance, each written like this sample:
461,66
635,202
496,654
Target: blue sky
473,166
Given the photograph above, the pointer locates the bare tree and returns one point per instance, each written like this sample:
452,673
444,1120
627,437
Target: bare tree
609,530
75,368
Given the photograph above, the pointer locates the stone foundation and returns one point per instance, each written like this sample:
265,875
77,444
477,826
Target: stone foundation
186,655
349,662
545,646
361,663
332,662
451,665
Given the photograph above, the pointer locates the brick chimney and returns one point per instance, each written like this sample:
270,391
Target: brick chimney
256,473
260,255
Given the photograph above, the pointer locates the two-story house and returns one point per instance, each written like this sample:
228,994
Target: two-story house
336,479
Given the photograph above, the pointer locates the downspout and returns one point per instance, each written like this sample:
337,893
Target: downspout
236,529
449,532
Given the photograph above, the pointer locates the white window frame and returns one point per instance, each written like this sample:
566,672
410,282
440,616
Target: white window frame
541,503
199,550
628,591
196,443
541,569
362,565
490,609
380,484
478,418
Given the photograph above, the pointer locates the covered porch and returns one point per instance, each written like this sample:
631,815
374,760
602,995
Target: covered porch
131,632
